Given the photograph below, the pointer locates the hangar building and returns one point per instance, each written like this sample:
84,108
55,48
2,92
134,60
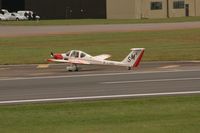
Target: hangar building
152,8
110,9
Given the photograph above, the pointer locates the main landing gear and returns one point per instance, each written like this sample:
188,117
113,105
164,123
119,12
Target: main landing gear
72,68
129,68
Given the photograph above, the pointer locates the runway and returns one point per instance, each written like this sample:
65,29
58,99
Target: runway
151,79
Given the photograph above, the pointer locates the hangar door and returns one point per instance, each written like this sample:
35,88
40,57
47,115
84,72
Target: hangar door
77,9
13,5
67,9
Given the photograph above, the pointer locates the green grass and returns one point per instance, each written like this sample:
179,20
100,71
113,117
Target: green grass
99,21
160,45
177,114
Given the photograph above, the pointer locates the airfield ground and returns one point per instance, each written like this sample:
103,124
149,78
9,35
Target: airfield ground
145,114
98,21
142,115
170,45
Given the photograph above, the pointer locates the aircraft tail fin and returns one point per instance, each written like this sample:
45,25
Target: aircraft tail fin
134,57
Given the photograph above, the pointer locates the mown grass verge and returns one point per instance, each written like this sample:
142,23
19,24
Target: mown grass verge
98,21
160,45
177,114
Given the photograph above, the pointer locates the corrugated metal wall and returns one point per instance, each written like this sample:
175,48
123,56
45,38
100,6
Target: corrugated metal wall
76,9
0,4
123,9
147,12
72,9
197,6
133,9
13,5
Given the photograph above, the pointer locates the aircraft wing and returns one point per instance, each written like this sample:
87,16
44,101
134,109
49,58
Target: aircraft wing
102,57
72,61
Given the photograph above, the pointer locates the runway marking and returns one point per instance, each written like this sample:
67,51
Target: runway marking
170,66
94,75
43,66
99,97
39,74
153,80
4,68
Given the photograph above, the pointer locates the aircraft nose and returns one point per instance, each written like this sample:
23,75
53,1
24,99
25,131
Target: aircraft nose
58,56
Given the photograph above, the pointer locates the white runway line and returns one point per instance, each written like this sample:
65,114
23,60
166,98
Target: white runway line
94,75
99,97
170,66
151,80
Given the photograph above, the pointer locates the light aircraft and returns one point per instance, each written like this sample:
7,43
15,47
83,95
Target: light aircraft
77,57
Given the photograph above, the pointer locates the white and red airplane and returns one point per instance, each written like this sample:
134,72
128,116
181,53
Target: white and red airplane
77,57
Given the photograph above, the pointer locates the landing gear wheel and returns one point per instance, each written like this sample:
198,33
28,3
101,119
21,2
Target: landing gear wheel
72,68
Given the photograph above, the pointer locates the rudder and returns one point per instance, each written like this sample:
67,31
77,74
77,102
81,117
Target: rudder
134,57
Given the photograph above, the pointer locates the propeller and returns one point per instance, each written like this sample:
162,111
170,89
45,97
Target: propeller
52,54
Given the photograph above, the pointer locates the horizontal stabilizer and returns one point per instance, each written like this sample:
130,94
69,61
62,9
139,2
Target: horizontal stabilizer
103,56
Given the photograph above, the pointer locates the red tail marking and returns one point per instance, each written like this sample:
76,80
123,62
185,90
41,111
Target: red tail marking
138,59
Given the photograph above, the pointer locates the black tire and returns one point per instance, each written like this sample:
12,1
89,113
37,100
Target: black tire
76,70
17,19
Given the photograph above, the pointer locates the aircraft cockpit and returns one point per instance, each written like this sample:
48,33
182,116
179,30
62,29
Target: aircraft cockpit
76,54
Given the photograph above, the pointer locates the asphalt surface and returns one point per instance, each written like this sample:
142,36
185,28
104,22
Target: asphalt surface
10,31
53,83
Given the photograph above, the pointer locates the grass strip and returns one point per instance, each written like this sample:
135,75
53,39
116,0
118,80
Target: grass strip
174,114
160,45
98,21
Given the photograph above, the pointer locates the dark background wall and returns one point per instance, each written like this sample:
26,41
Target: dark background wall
0,4
59,9
13,5
70,9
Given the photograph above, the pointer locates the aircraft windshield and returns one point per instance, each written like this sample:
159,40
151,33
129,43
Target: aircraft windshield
68,53
74,54
82,55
